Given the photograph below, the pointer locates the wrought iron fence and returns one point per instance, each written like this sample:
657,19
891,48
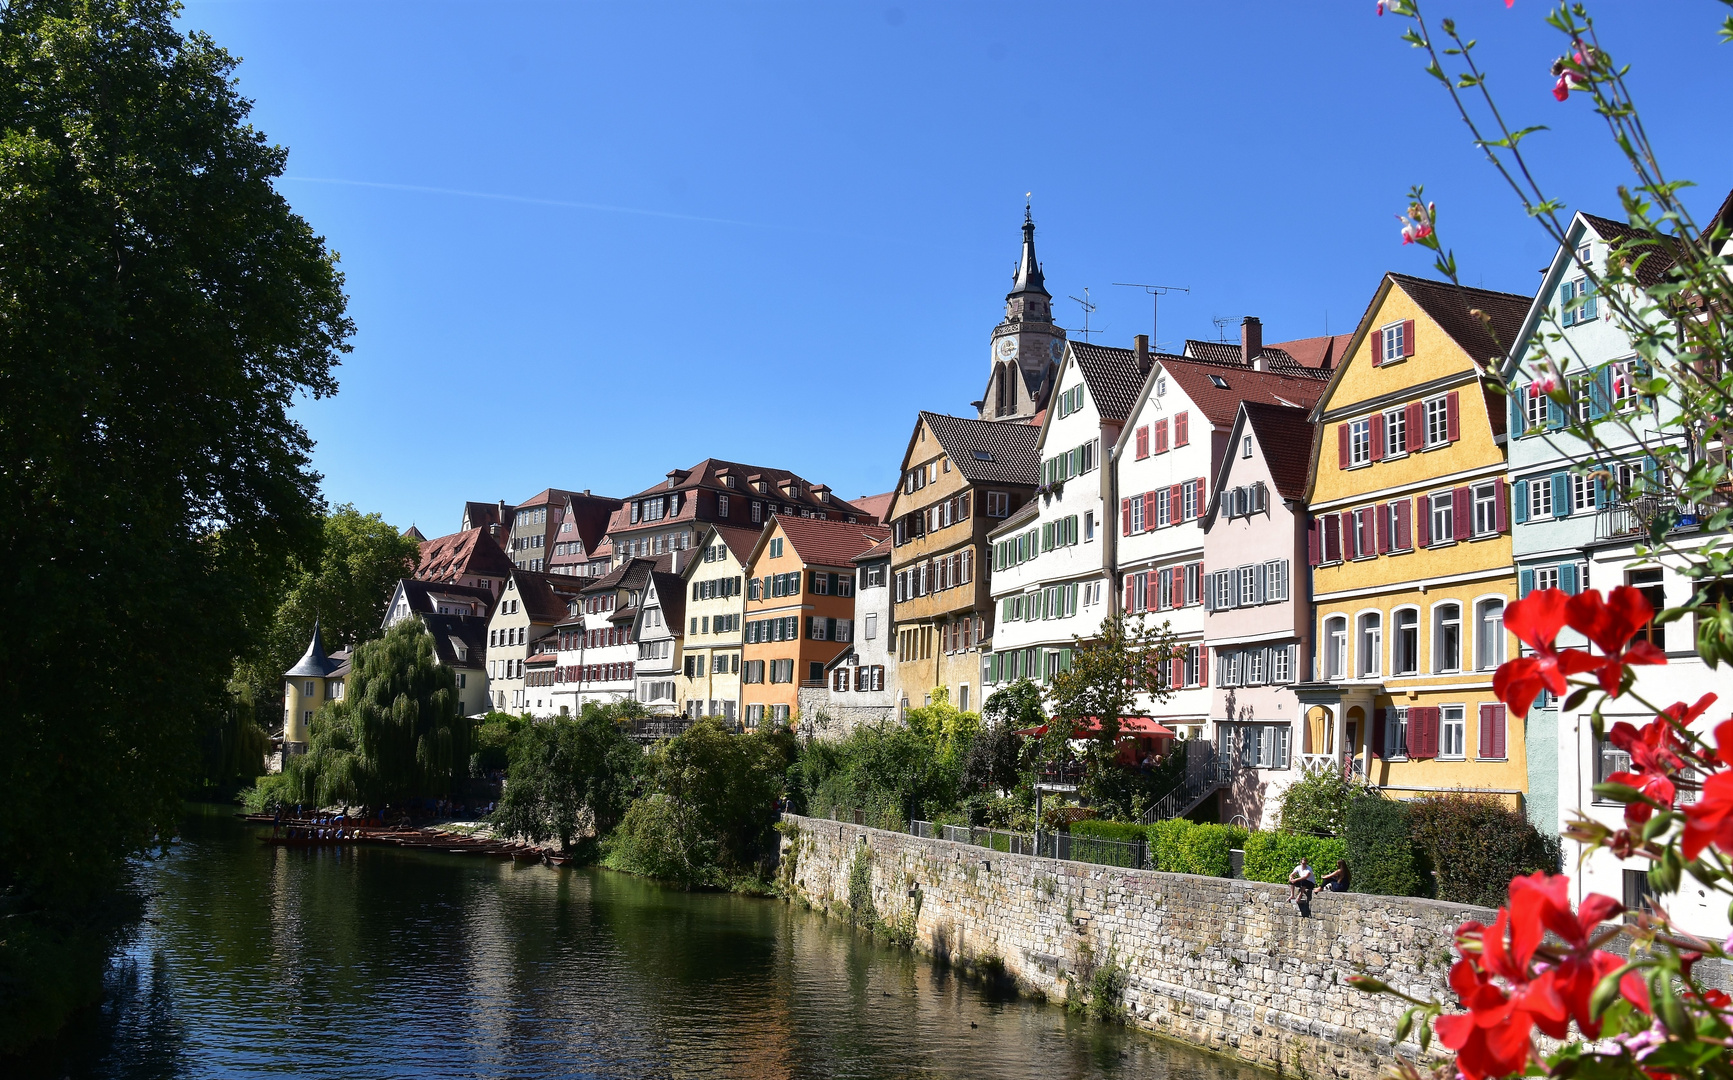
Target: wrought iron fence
1133,855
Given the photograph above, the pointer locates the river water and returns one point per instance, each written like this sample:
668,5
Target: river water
381,962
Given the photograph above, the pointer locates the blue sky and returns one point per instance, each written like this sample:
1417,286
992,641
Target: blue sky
588,243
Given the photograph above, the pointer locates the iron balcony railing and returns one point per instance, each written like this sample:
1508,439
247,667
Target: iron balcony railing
1637,516
1205,771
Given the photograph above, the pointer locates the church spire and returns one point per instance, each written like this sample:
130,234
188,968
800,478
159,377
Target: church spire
1028,277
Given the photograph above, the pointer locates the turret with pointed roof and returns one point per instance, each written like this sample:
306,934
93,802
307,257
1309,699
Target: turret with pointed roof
1026,347
305,688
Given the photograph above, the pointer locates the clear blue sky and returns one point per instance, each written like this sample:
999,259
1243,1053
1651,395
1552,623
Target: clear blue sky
588,243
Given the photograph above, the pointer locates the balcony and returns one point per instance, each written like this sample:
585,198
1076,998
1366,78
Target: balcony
1635,518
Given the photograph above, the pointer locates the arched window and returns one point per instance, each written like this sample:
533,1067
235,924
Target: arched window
1489,634
1447,638
1371,644
1405,643
1336,647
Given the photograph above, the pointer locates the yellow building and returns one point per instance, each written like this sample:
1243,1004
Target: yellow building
315,679
715,580
1411,549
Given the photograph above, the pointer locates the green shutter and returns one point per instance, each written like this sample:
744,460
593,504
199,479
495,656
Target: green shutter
1561,494
1520,502
1567,578
1524,583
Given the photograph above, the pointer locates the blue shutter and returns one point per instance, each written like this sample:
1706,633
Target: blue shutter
1587,311
1602,499
1567,314
1555,415
1567,578
1524,583
1601,393
1518,419
1519,504
1561,494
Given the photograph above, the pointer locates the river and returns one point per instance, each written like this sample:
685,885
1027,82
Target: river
381,962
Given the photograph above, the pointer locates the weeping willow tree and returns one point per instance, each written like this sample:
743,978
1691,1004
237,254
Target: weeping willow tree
396,735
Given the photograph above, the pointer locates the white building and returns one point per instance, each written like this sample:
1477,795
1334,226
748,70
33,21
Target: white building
529,607
659,632
597,657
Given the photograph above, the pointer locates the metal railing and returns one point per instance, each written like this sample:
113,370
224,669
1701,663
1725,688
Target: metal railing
659,727
1133,855
1634,518
1205,771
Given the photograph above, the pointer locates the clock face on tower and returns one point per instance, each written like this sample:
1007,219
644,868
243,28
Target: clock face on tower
1057,347
1007,348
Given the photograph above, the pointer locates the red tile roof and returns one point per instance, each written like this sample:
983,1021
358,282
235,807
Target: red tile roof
460,555
1285,436
829,543
880,550
700,485
875,507
1199,379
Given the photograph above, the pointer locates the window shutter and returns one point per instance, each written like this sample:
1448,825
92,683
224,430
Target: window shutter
1342,445
1377,436
1176,672
1129,581
1499,725
1125,517
1484,739
1501,505
1350,542
1561,494
1423,520
1519,501
1462,506
1378,348
1602,500
1261,590
1408,340
1416,425
1452,416
1380,717
1313,554
1203,665
1518,419
1200,498
1182,429
1555,415
1175,504
1601,392
1404,511
1383,526
1421,732
1149,519
1332,538
1567,578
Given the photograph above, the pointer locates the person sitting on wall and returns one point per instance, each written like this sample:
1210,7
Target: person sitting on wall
1301,880
1337,879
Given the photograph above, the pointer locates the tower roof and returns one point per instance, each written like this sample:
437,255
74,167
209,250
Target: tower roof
1028,277
314,662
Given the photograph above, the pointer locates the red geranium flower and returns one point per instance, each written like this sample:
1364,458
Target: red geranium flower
1654,758
1610,624
1536,620
1709,820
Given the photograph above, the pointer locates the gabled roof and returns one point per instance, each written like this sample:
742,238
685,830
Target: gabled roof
479,515
1218,389
1285,436
880,550
1113,377
458,555
450,631
875,507
987,451
739,542
823,543
420,595
1653,261
1451,307
671,594
708,475
544,596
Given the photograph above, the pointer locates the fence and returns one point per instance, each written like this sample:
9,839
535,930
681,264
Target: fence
1133,855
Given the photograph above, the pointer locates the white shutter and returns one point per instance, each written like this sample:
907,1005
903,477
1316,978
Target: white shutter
1262,575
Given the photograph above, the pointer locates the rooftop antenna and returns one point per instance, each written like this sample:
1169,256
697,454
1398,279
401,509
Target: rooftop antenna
1156,292
1088,309
1222,323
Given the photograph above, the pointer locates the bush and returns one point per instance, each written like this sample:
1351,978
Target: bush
1109,830
1179,846
1272,856
1381,851
1477,844
1317,803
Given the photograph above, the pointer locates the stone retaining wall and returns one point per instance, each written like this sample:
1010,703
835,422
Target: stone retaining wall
1226,965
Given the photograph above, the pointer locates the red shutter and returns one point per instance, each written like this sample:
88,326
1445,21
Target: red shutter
1408,338
1149,519
1382,524
1423,519
1342,445
1161,436
1182,429
1462,506
1452,425
1128,595
1177,669
1313,543
1498,729
1377,342
1200,498
1485,742
1378,720
1404,511
1332,537
1203,666
1125,517
1350,545
1501,505
1377,436
1429,730
1416,426
1143,441
1175,504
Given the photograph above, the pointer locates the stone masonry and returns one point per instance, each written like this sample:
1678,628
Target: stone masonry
1226,965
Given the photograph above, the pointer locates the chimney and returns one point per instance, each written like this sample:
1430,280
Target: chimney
1140,346
502,512
1252,343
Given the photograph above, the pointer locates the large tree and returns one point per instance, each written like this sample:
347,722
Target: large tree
568,775
161,308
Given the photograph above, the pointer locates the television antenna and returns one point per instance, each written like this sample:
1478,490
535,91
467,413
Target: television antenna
1222,323
1088,309
1156,292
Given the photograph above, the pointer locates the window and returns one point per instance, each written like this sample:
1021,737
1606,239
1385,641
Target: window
1161,386
1648,582
1088,526
782,671
815,671
1360,443
1488,634
1395,432
1582,492
757,517
1281,664
1443,519
307,689
1222,589
1137,518
752,671
1447,638
1536,407
1371,644
1276,580
1540,497
1391,339
1619,379
1452,732
1246,447
998,504
1486,510
1336,647
776,548
1257,746
1248,578
1396,733
1546,577
1188,497
1405,645
1438,421
872,625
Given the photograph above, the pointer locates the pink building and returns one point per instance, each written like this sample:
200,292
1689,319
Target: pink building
1258,626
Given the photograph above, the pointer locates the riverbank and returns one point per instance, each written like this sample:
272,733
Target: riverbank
1223,964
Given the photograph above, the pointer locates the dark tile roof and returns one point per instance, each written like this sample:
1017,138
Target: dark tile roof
880,550
448,558
479,515
1293,387
449,631
1275,357
420,595
829,543
1451,307
739,541
1285,436
412,533
1024,514
671,593
1113,376
545,596
707,476
1010,448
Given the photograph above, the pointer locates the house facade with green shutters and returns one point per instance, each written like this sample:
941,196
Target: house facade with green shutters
1578,521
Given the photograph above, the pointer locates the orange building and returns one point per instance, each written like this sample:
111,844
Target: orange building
799,609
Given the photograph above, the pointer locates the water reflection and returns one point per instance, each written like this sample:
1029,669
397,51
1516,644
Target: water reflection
385,963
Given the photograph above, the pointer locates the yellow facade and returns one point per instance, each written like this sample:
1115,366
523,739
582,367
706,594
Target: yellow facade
1412,556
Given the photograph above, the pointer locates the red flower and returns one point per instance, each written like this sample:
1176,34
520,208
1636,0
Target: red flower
1709,820
1536,620
1654,757
1610,624
1561,89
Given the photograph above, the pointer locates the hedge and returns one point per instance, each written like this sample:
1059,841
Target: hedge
1272,856
1477,844
1188,847
1109,830
1382,856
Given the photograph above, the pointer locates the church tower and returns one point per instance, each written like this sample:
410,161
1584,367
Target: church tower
1027,346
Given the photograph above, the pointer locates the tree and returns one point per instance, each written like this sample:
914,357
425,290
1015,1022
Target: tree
396,735
344,587
1126,659
568,774
161,308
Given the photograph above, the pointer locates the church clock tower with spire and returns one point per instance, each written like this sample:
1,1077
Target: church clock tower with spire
1027,346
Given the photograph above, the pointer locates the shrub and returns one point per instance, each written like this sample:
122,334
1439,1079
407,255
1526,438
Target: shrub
1477,844
1381,852
1272,856
1109,830
1318,803
1179,846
